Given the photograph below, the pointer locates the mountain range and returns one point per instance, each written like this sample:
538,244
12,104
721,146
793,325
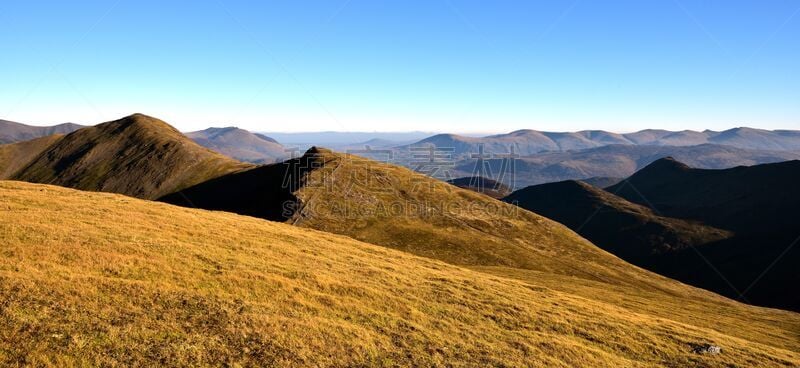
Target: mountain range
529,142
11,132
618,161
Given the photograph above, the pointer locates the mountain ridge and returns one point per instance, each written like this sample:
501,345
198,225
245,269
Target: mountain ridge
12,132
137,155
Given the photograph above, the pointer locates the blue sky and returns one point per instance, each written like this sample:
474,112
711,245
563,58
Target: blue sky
432,65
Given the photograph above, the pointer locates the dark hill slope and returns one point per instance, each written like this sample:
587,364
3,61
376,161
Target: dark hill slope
632,232
137,155
240,144
742,199
11,132
758,203
484,185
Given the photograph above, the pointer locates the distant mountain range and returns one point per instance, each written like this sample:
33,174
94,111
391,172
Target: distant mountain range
241,144
346,140
11,132
619,161
530,142
733,231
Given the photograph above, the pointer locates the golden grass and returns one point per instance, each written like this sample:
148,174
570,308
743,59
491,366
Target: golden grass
103,279
354,196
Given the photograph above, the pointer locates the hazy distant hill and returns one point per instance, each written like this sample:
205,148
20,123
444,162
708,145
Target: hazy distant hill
11,132
346,140
529,142
619,161
137,155
240,144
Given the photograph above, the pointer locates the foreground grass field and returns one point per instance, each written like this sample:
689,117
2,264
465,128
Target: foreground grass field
103,279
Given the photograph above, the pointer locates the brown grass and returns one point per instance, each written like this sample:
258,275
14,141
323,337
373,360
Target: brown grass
103,279
15,156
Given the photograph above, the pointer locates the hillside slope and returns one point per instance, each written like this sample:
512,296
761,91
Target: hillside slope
11,132
758,203
481,184
240,144
121,281
137,155
742,199
394,207
630,231
14,156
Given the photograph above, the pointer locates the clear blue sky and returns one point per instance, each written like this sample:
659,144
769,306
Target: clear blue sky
432,65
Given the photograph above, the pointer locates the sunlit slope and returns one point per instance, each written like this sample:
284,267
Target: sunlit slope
137,155
102,279
396,207
14,156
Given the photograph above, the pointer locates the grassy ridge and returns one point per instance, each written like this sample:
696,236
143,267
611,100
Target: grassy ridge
95,278
137,155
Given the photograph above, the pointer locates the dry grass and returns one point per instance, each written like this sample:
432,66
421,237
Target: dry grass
104,279
15,156
354,196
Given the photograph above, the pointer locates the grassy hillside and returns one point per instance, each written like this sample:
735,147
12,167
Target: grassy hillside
397,208
137,155
103,279
15,156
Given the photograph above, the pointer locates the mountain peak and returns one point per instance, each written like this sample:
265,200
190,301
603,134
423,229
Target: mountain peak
667,163
137,155
139,121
